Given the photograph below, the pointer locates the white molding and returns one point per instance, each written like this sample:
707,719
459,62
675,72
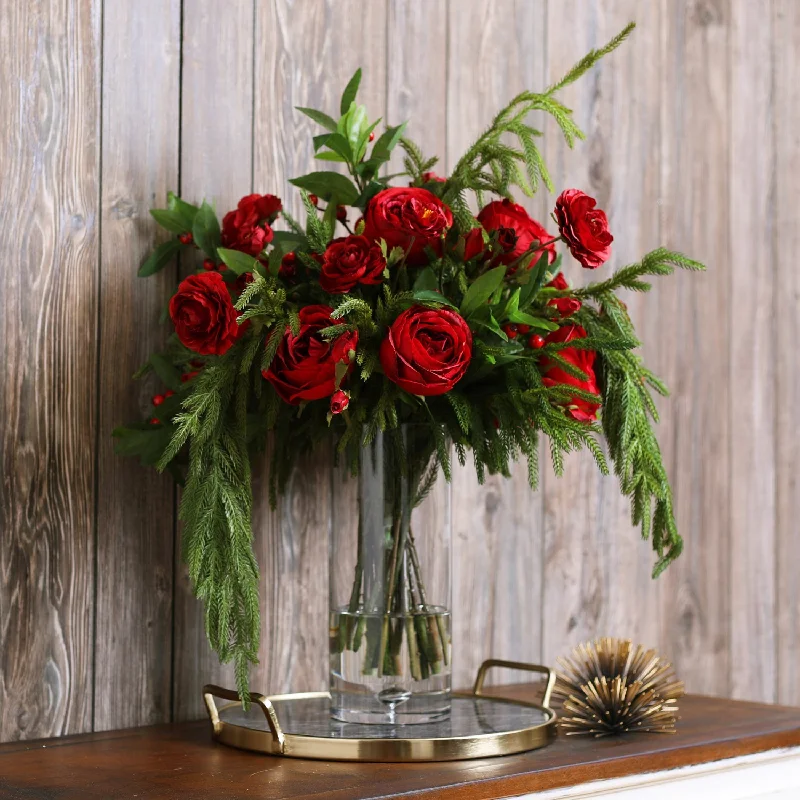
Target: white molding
772,775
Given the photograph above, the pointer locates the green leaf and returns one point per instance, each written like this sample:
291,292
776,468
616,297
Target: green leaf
430,296
426,280
237,261
319,117
372,188
166,371
289,238
522,318
482,289
325,184
186,210
339,145
170,220
361,147
329,155
382,150
159,258
353,124
206,230
350,91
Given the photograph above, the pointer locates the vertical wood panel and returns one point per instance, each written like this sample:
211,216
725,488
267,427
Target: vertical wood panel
786,235
752,361
597,569
133,641
694,359
216,164
305,54
49,151
496,527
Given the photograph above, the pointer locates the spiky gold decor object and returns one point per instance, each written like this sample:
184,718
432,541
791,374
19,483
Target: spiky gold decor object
608,687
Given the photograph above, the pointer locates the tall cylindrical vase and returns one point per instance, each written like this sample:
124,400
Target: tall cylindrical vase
390,558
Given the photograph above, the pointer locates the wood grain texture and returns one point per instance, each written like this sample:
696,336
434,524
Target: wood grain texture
786,238
216,164
695,163
752,363
133,644
497,578
303,59
167,762
49,152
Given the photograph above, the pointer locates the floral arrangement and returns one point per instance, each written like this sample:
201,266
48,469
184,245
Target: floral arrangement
394,303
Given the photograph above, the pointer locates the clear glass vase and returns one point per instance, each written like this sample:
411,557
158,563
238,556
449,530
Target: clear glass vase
390,558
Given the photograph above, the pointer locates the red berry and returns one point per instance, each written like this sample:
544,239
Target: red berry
372,136
523,329
341,213
313,199
223,267
155,421
186,238
510,331
209,265
187,376
158,399
536,341
169,393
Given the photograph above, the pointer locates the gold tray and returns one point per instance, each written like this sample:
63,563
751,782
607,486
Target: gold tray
299,726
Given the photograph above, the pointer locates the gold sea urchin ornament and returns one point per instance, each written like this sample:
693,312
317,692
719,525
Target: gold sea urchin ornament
608,687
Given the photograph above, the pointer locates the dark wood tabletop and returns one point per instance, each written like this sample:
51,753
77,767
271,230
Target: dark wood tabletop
182,761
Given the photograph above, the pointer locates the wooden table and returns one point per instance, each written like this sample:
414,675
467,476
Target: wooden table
181,761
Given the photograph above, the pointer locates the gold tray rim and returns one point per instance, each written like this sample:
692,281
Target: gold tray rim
450,748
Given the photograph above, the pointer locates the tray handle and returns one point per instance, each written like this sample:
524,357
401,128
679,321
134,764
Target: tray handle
521,665
210,692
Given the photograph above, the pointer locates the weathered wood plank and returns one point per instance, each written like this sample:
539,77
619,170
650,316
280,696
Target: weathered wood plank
693,348
304,57
752,362
497,527
216,164
786,238
49,155
133,640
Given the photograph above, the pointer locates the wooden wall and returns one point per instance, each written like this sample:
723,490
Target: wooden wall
692,142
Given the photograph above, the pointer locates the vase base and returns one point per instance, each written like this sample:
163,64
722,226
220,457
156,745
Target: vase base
366,709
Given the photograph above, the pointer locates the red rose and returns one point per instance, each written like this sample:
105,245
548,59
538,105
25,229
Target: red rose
410,218
339,401
473,244
203,314
553,374
427,351
248,227
351,260
566,306
517,231
304,367
584,228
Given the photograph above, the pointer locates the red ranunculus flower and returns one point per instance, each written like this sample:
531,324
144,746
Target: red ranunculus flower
584,228
203,314
339,401
410,218
553,374
248,227
304,367
351,260
517,231
473,243
427,351
566,306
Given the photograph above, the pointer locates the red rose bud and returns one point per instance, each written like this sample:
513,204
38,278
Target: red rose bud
341,213
304,367
517,232
510,331
427,351
584,228
209,265
288,267
554,375
313,199
203,314
536,341
169,393
241,282
339,401
186,238
432,177
410,218
566,306
351,260
158,399
248,227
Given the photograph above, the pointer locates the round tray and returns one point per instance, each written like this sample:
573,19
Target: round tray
300,726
